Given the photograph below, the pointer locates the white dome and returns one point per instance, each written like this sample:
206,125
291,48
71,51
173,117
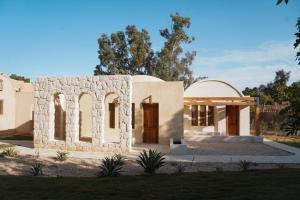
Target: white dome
145,78
212,88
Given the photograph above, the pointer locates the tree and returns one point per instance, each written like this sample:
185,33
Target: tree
280,1
297,41
297,34
130,52
274,92
291,125
20,78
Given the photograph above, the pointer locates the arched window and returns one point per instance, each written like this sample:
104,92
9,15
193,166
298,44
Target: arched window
59,116
85,117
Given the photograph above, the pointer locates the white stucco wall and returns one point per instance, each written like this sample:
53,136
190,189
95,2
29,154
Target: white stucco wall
8,96
71,87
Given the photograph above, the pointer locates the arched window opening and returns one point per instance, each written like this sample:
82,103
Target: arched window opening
59,116
85,117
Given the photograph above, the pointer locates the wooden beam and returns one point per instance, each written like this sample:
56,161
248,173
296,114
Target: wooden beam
220,103
220,98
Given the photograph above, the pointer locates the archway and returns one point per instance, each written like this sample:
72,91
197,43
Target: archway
59,116
85,117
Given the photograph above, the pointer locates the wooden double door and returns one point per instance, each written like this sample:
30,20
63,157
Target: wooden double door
151,124
233,120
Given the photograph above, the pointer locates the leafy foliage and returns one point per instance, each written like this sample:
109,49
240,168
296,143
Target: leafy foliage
292,123
19,78
273,92
280,1
151,160
37,168
62,155
297,41
10,151
111,166
130,52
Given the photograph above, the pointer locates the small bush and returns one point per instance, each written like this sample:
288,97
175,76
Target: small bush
62,155
10,151
111,166
37,168
151,161
180,168
245,165
219,169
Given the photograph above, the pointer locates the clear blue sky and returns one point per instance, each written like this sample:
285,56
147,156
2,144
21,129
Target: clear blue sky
242,41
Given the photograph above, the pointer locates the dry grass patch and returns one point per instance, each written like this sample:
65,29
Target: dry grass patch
289,140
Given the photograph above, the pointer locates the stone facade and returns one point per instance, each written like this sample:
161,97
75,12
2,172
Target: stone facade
72,87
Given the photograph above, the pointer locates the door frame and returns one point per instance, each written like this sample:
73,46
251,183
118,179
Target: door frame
237,110
157,132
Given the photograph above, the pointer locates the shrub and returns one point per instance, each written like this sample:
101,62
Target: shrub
111,166
151,161
37,168
10,151
61,155
180,168
3,146
219,169
245,165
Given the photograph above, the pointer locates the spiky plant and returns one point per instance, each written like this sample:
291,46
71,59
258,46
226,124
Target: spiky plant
10,151
62,155
245,165
37,168
111,166
151,161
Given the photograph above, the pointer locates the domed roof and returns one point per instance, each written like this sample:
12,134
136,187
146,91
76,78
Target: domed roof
145,78
212,88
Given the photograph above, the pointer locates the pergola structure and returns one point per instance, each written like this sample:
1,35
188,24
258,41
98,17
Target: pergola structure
226,101
220,101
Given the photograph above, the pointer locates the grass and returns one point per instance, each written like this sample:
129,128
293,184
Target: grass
17,137
258,185
288,140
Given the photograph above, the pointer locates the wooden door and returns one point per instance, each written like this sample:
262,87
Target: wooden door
232,120
150,123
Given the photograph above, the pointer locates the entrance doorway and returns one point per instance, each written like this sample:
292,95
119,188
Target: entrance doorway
150,123
232,120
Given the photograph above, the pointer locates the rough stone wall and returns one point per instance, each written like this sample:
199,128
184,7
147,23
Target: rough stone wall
71,87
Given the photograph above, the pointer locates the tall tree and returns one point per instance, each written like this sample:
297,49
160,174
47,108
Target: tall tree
297,41
20,78
130,52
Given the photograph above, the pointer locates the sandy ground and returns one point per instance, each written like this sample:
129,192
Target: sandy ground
200,157
21,165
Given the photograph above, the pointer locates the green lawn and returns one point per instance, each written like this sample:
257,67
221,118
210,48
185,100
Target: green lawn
267,184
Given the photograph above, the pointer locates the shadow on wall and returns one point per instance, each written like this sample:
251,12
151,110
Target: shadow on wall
172,128
24,129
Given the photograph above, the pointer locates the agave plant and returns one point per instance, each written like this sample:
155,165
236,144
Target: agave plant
245,165
111,166
10,151
61,155
151,160
37,169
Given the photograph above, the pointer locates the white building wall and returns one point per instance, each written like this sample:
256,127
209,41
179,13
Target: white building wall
8,96
244,120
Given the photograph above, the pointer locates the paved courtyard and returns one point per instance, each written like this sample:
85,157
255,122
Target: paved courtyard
251,149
